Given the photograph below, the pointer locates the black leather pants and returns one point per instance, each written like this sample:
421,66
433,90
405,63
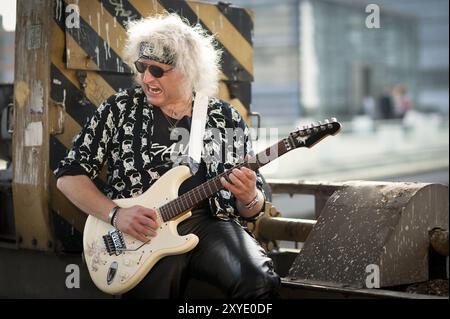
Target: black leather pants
226,257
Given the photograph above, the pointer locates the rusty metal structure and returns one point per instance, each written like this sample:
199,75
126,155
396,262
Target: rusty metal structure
395,231
399,230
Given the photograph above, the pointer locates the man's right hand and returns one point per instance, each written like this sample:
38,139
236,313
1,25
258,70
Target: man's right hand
137,221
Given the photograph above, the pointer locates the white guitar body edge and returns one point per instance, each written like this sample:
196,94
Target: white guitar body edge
130,267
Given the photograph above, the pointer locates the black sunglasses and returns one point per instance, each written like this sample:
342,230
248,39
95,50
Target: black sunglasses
154,70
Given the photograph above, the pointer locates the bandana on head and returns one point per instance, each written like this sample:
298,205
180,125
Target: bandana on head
146,52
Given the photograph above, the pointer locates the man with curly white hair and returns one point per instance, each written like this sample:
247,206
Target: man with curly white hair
174,63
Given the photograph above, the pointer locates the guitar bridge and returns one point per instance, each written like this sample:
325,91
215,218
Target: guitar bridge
114,242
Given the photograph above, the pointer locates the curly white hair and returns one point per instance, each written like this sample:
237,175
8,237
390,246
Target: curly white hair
192,49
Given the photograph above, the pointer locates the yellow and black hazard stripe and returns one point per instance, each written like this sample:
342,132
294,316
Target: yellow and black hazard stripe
87,67
237,61
78,106
234,66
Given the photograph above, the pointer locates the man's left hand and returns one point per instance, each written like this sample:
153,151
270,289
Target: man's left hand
243,184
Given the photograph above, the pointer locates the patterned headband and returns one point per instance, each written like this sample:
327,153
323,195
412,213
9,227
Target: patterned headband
146,52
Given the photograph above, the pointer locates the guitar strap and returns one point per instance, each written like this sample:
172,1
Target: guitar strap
197,131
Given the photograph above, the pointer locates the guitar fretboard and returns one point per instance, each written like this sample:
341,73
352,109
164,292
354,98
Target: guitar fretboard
192,198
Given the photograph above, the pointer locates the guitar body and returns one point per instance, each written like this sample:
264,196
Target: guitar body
119,272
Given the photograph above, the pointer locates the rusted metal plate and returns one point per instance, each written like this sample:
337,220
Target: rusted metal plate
373,235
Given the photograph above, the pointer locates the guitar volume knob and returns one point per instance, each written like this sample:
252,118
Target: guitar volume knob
127,262
124,276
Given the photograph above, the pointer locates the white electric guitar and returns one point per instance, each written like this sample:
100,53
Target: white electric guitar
117,262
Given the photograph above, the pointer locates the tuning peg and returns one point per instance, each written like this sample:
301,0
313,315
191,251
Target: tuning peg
323,125
327,121
333,119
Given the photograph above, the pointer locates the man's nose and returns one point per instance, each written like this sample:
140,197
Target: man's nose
147,76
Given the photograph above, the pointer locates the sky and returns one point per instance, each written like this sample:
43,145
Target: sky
8,11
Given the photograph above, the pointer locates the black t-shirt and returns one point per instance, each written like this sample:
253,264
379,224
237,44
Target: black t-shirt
170,150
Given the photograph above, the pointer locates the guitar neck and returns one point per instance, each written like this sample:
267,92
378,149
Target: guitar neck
192,198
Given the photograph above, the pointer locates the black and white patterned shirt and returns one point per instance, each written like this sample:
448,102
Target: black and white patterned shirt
122,133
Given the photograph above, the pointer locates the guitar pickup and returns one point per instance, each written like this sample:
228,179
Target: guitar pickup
114,242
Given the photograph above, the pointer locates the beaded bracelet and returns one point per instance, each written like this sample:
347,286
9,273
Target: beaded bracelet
114,221
253,202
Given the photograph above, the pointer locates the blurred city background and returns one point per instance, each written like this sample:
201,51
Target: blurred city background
387,85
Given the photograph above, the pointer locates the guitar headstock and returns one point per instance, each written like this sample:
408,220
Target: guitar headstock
312,134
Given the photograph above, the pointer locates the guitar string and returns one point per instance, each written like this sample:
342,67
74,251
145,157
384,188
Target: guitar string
175,207
172,205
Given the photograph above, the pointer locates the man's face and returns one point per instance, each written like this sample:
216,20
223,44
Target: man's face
163,90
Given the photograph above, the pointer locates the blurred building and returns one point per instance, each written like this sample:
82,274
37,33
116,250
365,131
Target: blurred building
6,54
318,58
433,62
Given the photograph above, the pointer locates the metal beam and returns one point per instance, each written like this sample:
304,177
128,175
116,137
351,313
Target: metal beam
290,229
